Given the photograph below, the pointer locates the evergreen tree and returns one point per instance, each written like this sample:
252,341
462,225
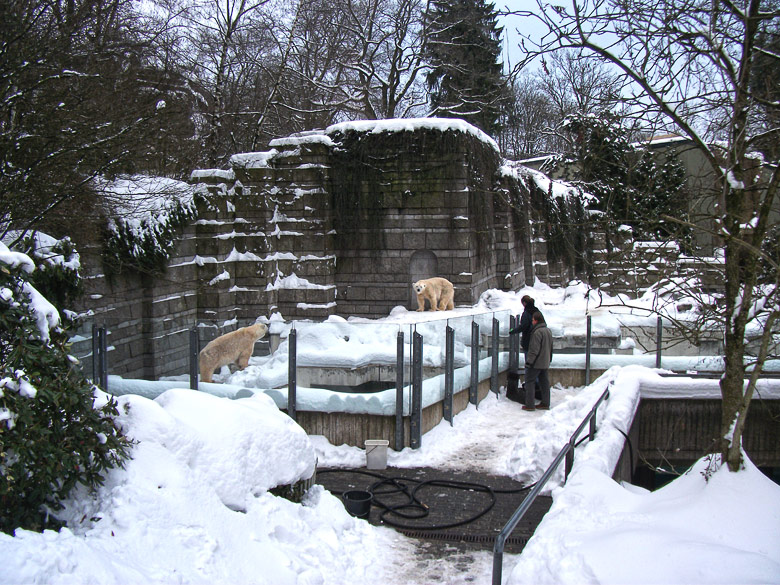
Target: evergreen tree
464,49
632,185
56,431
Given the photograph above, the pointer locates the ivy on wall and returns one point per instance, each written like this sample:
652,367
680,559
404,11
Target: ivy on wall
145,246
567,227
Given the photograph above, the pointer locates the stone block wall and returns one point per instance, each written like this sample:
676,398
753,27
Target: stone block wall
402,196
335,222
350,213
147,320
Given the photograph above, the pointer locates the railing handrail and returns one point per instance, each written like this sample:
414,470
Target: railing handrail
426,318
498,548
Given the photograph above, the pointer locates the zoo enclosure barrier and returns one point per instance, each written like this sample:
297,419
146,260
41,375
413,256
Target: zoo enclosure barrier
94,356
565,454
445,332
465,340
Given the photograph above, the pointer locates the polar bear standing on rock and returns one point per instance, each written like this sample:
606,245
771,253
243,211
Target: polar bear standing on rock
439,292
234,347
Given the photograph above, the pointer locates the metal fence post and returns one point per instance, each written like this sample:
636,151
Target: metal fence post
659,332
588,341
399,392
103,358
95,354
291,374
514,359
194,351
415,422
474,388
494,362
449,373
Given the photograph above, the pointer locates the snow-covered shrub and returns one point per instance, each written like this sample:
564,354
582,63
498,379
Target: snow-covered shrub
147,249
57,263
145,214
56,429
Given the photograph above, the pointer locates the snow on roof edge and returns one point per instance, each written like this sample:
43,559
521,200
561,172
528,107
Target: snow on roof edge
411,125
225,175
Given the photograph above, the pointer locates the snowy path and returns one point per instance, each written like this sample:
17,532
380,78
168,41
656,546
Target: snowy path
480,439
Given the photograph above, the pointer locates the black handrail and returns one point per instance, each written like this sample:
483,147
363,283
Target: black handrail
568,453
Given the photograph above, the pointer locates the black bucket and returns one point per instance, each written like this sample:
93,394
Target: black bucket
358,503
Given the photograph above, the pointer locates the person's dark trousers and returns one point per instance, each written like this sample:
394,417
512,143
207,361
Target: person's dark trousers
532,377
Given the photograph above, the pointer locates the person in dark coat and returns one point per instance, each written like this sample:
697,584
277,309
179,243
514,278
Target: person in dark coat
524,328
537,362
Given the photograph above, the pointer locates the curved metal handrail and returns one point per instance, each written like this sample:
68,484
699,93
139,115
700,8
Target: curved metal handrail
566,452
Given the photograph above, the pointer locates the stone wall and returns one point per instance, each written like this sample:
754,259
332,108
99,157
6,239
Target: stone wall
358,216
335,222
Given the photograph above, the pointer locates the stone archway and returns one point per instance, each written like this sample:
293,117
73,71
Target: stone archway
422,264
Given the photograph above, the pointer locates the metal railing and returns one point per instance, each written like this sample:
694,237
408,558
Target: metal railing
567,454
441,333
444,331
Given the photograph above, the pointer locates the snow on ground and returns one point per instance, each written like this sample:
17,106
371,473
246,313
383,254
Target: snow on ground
185,511
192,505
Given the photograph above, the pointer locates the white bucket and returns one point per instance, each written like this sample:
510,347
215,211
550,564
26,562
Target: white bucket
376,453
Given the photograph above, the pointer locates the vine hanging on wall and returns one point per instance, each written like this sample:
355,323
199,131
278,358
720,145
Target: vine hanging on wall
142,237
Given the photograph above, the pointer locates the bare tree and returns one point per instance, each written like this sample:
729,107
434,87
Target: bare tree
576,84
312,83
388,56
63,66
690,65
541,99
222,38
529,122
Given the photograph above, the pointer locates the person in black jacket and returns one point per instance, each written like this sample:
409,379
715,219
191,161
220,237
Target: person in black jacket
524,328
537,362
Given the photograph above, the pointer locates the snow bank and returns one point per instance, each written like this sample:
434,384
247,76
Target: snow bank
704,527
191,506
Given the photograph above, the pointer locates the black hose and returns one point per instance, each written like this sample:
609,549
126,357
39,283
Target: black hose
414,508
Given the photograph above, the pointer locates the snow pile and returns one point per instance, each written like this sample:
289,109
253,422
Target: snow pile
705,527
192,506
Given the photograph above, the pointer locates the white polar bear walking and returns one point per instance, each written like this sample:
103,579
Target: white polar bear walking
438,291
234,347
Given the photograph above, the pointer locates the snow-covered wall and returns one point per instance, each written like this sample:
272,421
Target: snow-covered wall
344,220
334,222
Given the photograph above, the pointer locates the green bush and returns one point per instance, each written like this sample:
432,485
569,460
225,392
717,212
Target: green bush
145,246
56,268
53,433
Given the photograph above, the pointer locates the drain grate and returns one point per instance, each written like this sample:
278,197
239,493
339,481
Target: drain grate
460,537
